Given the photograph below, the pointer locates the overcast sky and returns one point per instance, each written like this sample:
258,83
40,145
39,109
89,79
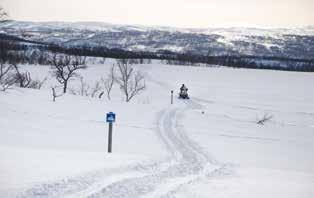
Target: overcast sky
179,13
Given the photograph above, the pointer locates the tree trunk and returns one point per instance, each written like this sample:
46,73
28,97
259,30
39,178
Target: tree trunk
54,94
65,85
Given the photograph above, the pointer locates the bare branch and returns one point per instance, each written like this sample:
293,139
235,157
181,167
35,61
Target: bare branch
95,89
5,69
23,79
37,84
101,94
108,83
7,79
130,83
86,90
54,94
264,119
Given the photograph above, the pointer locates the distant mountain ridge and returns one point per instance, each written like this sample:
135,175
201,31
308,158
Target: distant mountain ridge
276,42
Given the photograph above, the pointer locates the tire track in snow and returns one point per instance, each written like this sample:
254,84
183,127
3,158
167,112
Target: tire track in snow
192,163
82,185
187,163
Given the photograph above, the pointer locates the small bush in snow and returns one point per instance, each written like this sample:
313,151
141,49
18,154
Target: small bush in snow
54,94
87,90
23,80
37,84
7,74
264,119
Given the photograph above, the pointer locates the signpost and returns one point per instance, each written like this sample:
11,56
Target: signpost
110,118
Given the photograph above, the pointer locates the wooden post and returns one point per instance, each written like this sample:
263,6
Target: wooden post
171,96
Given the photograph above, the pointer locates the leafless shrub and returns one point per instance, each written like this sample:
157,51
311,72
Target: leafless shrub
7,82
131,82
86,90
37,84
5,69
266,117
54,94
65,67
95,89
108,82
22,79
7,79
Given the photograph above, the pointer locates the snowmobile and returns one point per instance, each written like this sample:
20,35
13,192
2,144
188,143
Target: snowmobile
183,92
183,95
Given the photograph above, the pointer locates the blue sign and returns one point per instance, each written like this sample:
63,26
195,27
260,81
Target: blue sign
111,117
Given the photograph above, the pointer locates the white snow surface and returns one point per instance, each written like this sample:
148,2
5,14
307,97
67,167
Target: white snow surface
208,146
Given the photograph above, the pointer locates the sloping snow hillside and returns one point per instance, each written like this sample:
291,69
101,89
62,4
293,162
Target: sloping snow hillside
208,146
270,42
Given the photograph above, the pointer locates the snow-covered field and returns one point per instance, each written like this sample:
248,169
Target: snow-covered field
208,146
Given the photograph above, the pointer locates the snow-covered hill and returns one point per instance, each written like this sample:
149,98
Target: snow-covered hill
208,146
292,43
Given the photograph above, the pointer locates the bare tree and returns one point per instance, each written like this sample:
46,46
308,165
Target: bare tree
65,67
108,83
266,117
131,82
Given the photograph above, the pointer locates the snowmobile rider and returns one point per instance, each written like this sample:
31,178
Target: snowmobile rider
183,89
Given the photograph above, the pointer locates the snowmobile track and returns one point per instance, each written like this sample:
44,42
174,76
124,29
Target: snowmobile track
191,162
187,163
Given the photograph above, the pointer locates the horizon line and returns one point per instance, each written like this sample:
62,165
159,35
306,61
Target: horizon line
168,26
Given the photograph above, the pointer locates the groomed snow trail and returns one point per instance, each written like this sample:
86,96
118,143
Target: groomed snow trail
186,163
